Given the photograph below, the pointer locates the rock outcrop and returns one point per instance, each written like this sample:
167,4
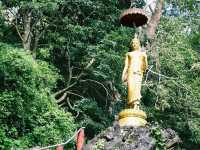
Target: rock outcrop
130,138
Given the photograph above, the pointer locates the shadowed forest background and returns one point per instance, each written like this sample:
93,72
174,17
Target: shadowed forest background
61,63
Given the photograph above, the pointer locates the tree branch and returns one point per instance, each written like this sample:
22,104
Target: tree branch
60,91
62,98
77,79
69,66
15,24
107,93
76,94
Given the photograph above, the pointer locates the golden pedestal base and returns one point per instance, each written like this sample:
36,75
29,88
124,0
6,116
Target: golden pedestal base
133,118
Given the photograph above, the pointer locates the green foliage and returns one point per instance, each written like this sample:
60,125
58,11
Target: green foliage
84,35
33,4
90,114
86,44
138,3
156,133
28,113
100,145
175,96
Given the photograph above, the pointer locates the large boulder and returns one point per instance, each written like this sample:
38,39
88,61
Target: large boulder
130,138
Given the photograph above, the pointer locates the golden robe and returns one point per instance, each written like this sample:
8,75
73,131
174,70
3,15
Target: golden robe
135,65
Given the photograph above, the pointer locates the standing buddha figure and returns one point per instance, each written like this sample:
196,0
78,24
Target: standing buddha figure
135,66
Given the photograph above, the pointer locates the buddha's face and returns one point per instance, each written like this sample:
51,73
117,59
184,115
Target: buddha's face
135,44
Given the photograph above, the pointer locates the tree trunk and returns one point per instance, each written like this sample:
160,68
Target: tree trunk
35,44
151,31
27,32
154,21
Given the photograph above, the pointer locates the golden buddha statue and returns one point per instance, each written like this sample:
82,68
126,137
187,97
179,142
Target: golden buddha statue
135,66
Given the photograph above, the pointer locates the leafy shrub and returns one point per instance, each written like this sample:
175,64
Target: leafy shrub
29,115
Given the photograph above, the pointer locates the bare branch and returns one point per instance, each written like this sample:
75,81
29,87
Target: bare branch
77,79
60,91
81,74
72,108
69,104
90,63
14,24
18,32
107,93
150,8
159,74
69,66
75,94
62,98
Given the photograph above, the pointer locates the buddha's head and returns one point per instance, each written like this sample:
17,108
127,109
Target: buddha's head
135,44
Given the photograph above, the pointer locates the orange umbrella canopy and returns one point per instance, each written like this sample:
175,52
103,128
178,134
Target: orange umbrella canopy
133,17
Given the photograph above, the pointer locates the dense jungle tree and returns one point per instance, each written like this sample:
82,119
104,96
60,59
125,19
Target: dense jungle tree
29,115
